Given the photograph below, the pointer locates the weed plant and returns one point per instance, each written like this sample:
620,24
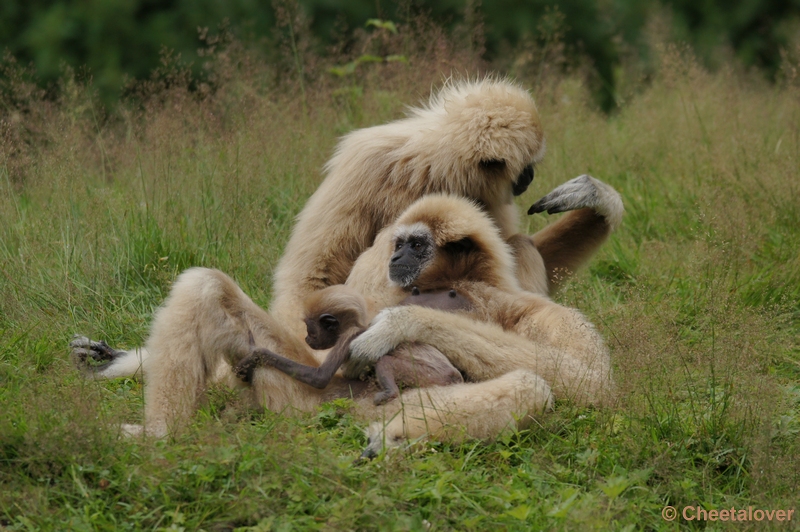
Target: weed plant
698,294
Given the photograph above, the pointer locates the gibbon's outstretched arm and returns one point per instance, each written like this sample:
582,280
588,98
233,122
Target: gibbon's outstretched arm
565,245
318,377
334,317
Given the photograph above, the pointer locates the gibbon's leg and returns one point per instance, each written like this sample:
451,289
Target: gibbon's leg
98,360
576,370
530,269
206,322
384,373
109,363
202,321
565,245
480,410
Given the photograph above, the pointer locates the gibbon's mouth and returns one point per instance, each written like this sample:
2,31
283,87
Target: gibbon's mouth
523,181
402,275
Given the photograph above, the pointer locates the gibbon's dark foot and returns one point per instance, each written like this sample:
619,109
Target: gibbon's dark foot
90,355
578,193
383,397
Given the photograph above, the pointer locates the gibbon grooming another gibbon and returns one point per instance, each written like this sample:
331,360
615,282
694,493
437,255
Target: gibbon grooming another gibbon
477,139
334,316
439,243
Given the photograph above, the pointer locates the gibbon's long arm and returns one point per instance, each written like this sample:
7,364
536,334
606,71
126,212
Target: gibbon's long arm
565,245
483,350
318,377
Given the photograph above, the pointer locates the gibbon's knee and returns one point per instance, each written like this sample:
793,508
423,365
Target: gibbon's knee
595,211
203,324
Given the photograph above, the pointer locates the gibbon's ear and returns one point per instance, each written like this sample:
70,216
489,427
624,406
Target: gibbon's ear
523,181
329,322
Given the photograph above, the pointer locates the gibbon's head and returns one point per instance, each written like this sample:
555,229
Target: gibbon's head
440,239
332,311
487,132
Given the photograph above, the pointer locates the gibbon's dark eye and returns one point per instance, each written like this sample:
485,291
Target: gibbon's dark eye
398,245
416,246
415,291
523,181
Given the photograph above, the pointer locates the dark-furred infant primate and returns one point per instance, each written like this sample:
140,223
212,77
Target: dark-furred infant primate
334,317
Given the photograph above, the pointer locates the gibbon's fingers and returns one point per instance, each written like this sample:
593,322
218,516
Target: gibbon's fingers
378,340
582,192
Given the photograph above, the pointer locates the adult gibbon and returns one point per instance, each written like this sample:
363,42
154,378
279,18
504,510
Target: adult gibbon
207,318
476,139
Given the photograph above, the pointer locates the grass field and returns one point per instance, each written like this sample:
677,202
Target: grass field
698,296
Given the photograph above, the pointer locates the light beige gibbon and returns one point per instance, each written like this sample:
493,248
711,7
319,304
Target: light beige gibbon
520,345
476,139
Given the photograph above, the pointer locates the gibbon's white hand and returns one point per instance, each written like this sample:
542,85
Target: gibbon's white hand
382,336
579,193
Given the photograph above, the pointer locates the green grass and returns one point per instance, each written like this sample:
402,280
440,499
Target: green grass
698,296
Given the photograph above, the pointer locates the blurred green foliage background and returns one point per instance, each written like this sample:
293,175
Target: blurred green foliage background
111,39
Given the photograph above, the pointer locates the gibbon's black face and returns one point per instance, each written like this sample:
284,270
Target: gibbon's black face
413,251
523,180
322,332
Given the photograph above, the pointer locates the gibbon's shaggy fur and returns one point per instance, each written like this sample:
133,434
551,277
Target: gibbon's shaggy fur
207,319
337,314
475,139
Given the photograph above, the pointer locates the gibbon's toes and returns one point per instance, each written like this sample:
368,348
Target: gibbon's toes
577,193
84,350
381,398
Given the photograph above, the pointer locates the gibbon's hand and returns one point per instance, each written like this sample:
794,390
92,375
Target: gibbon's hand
382,336
582,192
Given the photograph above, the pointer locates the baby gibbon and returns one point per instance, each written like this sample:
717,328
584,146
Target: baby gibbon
336,315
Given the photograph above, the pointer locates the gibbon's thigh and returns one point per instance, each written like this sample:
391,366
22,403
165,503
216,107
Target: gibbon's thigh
484,350
469,410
